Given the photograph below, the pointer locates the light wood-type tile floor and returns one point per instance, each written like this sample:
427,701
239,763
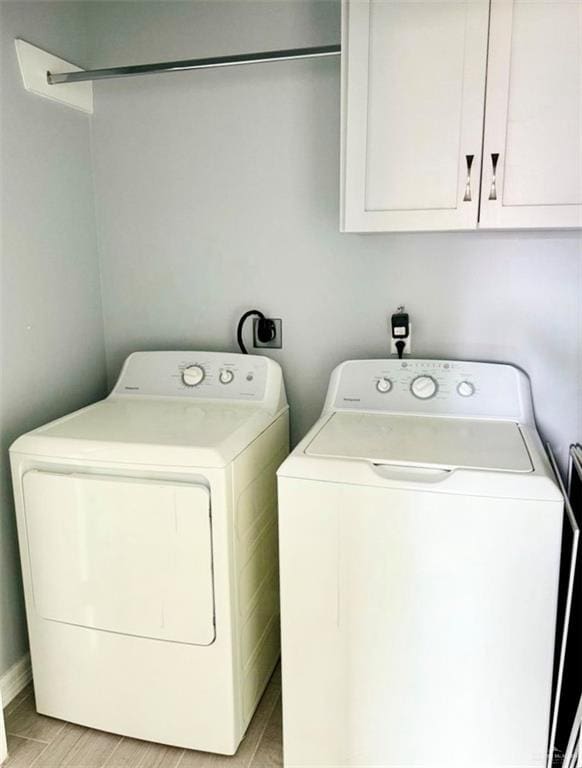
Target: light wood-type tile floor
36,741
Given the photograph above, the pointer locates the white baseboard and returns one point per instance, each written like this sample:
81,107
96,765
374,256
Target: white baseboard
17,677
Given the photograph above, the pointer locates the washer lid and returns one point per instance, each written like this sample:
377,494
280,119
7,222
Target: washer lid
423,441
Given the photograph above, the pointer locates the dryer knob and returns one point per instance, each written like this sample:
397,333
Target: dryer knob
424,387
384,385
193,375
226,376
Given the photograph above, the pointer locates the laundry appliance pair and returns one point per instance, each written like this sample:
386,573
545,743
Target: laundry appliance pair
419,527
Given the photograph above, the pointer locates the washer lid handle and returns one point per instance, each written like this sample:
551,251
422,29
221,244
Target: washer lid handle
409,474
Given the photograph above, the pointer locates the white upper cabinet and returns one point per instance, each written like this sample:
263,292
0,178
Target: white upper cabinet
533,121
415,115
413,94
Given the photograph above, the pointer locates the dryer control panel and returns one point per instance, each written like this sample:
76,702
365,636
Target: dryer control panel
199,375
432,387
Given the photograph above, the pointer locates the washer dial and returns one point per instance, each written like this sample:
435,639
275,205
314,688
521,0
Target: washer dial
384,385
466,389
193,375
424,387
226,376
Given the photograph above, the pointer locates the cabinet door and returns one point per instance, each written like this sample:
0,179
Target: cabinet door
533,123
413,87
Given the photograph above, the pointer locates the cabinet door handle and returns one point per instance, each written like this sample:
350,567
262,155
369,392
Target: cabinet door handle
493,190
467,195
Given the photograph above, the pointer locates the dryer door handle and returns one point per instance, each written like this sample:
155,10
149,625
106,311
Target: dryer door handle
408,474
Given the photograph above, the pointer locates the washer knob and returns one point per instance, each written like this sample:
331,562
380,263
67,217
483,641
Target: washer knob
424,387
226,376
193,375
383,385
466,389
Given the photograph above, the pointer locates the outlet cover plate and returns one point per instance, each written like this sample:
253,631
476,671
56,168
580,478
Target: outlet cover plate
277,342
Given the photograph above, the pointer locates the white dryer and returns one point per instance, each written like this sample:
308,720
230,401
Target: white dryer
420,528
148,539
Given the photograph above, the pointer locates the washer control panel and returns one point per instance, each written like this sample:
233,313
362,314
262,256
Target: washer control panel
439,387
204,375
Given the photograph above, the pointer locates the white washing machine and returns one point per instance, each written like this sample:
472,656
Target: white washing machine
148,539
420,528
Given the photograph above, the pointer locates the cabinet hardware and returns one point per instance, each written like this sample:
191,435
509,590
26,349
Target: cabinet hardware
467,195
493,190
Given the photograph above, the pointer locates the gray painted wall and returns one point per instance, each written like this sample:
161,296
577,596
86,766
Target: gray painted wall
52,354
218,191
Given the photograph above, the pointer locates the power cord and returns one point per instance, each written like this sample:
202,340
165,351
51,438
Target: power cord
400,345
265,328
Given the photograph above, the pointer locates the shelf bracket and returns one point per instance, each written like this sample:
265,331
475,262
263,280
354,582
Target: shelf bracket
34,66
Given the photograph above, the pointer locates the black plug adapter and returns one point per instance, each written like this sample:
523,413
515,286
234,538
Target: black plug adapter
400,324
266,330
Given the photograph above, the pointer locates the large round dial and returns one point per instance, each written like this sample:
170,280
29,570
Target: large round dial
424,387
193,375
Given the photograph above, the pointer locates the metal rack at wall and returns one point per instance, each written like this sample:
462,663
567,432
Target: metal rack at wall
565,749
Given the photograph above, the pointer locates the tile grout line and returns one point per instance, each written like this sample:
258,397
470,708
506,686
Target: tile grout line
41,753
179,758
260,739
27,738
115,748
9,710
142,758
58,733
38,741
110,754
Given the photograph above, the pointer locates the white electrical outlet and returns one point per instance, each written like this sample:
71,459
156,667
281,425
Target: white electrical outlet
407,342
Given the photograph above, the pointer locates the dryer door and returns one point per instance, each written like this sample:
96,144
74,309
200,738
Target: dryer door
121,554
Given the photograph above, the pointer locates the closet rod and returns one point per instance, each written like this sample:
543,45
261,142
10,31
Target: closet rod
182,66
